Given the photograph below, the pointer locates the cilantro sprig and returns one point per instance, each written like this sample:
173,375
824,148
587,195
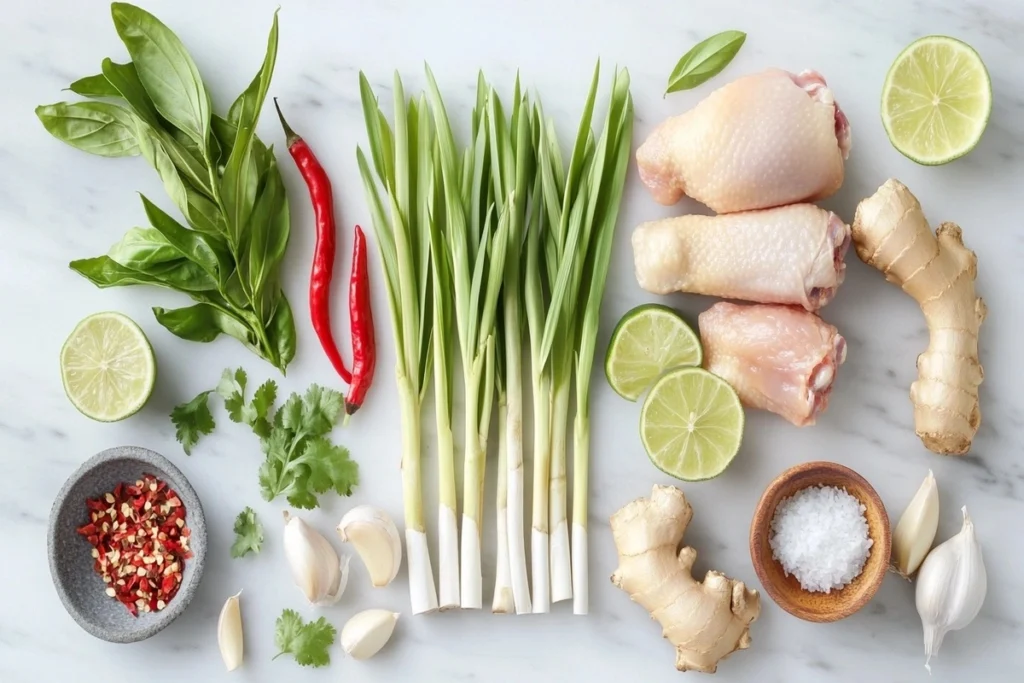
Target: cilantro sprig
300,460
308,643
248,534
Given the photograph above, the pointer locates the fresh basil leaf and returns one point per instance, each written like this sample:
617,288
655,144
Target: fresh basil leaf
100,128
203,323
224,131
125,81
94,86
207,252
154,150
241,176
268,239
203,215
143,248
281,332
181,275
165,69
705,60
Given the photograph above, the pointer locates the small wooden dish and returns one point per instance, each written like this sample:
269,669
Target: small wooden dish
786,590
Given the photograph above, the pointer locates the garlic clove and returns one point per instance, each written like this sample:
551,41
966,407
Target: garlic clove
951,587
916,529
316,567
367,632
375,537
229,633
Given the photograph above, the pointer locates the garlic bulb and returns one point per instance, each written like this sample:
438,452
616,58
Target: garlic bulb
951,587
376,539
916,529
367,632
315,565
229,633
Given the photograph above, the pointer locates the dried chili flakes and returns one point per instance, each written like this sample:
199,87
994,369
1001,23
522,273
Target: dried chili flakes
139,543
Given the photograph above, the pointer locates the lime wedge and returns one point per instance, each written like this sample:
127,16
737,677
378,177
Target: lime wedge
936,100
649,340
691,424
107,366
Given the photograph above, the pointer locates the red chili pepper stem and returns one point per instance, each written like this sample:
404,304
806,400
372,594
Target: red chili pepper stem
290,137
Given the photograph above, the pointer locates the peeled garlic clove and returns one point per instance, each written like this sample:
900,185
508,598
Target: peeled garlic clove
229,633
916,529
316,568
367,632
376,539
951,587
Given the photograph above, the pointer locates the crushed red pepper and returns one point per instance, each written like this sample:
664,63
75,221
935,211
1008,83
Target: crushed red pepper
140,543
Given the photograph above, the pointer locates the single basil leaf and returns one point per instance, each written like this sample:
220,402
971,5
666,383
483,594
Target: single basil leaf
104,271
281,333
94,86
181,275
207,252
705,60
203,323
100,128
225,132
125,81
203,214
153,149
268,239
241,176
165,69
143,248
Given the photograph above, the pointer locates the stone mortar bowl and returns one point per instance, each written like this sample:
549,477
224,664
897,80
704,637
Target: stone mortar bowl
786,590
71,564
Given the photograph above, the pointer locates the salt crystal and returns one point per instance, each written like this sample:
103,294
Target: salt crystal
820,536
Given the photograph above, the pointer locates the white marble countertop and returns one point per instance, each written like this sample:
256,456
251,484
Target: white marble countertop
57,204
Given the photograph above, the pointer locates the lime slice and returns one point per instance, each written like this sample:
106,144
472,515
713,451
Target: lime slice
648,340
107,366
936,100
691,424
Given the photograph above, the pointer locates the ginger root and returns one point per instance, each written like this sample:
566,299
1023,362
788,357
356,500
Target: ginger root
891,234
706,622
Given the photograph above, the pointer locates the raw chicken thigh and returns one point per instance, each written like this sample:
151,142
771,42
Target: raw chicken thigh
789,255
779,358
764,140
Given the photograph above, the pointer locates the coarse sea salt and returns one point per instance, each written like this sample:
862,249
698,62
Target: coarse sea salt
820,536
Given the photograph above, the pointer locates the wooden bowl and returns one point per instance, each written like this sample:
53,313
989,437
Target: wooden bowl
786,590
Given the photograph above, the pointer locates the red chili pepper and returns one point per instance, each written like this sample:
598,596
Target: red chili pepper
364,349
323,253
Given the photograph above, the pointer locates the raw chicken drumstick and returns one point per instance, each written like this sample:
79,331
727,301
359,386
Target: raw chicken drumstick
778,358
788,255
768,139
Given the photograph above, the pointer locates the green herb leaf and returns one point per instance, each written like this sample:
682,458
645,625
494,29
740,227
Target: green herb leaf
308,643
281,333
248,534
204,322
232,389
329,467
192,419
94,86
100,128
320,410
124,80
165,69
259,408
268,239
705,60
207,252
143,248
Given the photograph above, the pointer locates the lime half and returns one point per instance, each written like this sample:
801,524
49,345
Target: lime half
936,100
107,366
692,424
649,340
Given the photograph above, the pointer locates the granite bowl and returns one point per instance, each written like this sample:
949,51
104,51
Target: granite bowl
71,564
786,590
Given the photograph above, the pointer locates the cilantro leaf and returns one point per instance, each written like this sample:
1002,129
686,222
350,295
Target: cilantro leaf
290,415
232,389
259,408
270,475
320,410
192,419
329,467
248,534
308,643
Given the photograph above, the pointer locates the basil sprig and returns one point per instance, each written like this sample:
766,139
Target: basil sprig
219,175
705,60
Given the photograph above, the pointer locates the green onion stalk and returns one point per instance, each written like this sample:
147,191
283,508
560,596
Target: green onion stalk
404,248
475,239
615,147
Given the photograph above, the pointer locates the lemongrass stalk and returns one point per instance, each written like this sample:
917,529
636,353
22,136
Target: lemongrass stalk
620,123
541,473
401,251
561,577
503,601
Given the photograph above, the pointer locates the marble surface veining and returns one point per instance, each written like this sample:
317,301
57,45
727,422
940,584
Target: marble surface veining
57,204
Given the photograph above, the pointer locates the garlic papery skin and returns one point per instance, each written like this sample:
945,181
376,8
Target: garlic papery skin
316,567
367,632
375,537
951,587
916,529
229,633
